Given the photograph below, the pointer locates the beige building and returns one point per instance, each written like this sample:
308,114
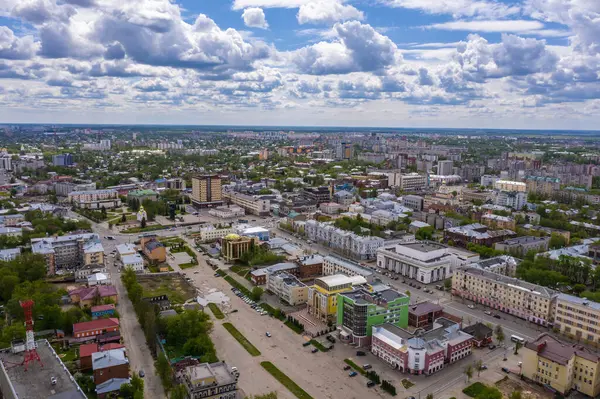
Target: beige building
510,295
207,191
234,246
562,366
211,233
249,203
507,185
577,317
288,288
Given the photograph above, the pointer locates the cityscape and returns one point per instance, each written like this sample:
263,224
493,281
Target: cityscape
299,199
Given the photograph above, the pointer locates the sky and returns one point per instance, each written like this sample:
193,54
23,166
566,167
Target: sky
531,64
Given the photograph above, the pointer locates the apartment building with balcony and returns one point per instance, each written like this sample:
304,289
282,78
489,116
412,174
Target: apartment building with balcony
344,242
69,252
510,295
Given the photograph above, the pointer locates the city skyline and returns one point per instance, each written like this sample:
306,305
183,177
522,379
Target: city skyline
530,64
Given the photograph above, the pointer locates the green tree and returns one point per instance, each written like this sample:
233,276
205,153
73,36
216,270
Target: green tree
499,334
256,293
515,395
447,284
478,365
468,371
164,370
429,396
489,393
179,392
123,218
424,233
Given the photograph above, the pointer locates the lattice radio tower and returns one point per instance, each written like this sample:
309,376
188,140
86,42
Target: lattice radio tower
31,354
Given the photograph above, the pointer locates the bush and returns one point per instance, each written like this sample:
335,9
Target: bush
474,389
388,387
216,311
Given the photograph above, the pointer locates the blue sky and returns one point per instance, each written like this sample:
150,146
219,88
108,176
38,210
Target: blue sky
436,63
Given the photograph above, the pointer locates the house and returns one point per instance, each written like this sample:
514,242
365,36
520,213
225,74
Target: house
7,255
102,310
85,355
154,250
125,249
423,314
110,364
482,334
83,272
162,301
98,279
135,262
90,296
109,386
95,327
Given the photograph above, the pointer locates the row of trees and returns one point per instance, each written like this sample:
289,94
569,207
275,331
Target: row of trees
576,272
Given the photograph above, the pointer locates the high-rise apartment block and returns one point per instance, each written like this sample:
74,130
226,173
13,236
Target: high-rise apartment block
207,191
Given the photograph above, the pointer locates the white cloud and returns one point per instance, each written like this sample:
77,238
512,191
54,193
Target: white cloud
489,26
327,12
241,4
457,8
16,48
255,18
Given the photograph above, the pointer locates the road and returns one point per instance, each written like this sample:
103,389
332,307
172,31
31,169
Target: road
138,353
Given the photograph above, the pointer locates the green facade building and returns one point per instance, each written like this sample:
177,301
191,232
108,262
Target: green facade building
359,310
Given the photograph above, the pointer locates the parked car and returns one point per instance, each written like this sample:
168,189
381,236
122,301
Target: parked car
217,275
346,367
268,334
53,380
331,339
306,343
234,311
360,353
492,346
352,374
314,350
471,307
506,370
367,366
487,312
497,316
483,367
142,374
370,384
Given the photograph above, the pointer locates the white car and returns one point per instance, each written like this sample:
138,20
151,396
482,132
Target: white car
471,307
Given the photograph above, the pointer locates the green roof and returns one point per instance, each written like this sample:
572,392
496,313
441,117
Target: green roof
142,193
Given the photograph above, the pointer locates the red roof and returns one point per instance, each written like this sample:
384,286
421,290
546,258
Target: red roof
95,325
110,346
101,308
87,350
87,293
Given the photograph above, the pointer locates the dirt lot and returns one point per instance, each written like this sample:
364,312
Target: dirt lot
174,286
508,386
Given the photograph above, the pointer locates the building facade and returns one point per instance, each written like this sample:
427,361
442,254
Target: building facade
69,252
95,199
424,261
207,191
251,204
343,242
287,288
519,246
336,265
322,296
577,317
209,381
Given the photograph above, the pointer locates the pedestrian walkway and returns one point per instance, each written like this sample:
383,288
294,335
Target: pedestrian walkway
312,326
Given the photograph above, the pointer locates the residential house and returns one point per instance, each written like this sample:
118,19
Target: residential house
110,364
100,311
154,250
91,296
85,355
91,329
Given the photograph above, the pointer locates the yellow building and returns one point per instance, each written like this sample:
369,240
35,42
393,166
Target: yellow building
234,246
207,190
562,366
577,317
322,296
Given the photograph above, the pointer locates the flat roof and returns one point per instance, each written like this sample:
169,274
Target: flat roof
35,383
510,281
355,267
340,279
424,246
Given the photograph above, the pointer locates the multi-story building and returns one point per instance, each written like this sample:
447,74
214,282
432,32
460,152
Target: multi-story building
227,212
480,196
318,195
511,199
477,234
142,195
498,222
287,288
252,204
489,180
310,266
233,246
562,366
322,296
110,364
504,264
344,242
344,151
69,252
176,183
211,233
207,191
427,353
577,317
359,310
95,199
6,255
423,314
331,208
135,262
343,197
519,246
510,295
408,182
337,265
566,234
209,381
444,168
62,189
124,250
413,202
542,185
507,185
424,261
62,160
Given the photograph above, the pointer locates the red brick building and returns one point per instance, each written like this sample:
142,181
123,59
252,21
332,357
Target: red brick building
95,327
110,364
85,355
424,314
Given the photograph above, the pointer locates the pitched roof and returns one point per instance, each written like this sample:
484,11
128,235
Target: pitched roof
95,325
87,293
101,308
109,358
114,384
110,346
558,351
424,308
153,244
478,330
87,350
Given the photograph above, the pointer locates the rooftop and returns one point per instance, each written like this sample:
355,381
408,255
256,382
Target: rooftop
424,308
348,264
579,301
219,371
510,281
497,261
341,279
524,240
39,386
109,358
130,259
126,248
142,193
95,325
424,246
381,298
559,352
311,260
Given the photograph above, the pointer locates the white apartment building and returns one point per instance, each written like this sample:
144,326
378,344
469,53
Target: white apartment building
227,212
408,182
507,185
252,205
424,261
347,243
135,261
7,255
125,249
95,199
413,202
288,288
336,265
212,233
510,295
511,199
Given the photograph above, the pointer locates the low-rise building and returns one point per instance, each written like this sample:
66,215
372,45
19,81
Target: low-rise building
337,265
287,288
331,208
359,310
423,314
142,195
477,234
209,380
98,279
153,249
519,246
317,195
424,261
260,276
125,249
322,295
427,353
481,333
510,295
211,233
91,329
562,366
227,212
135,262
531,228
110,364
252,205
413,202
88,296
233,246
498,222
13,232
310,266
102,311
6,255
343,197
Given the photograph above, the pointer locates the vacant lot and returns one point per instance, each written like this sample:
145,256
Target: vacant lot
174,286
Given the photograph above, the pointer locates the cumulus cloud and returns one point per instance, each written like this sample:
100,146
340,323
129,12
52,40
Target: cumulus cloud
458,8
490,26
16,48
356,47
327,12
255,18
241,4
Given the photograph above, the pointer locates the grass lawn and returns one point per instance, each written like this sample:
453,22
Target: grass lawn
241,339
237,285
216,311
355,366
68,355
318,345
295,328
407,384
175,287
285,381
474,389
188,265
